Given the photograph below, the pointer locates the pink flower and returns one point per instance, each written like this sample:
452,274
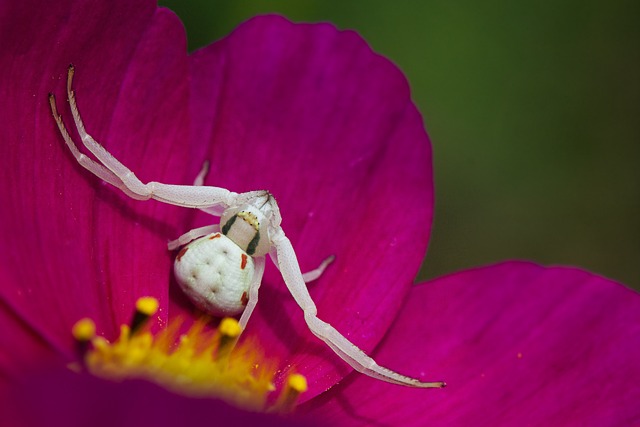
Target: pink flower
326,125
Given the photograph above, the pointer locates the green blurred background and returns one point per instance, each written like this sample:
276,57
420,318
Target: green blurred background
532,108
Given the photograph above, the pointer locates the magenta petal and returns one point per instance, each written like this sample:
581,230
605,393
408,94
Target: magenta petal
73,246
325,124
23,345
518,344
72,400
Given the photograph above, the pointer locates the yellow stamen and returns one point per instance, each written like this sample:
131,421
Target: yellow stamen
84,330
196,363
230,327
145,308
230,331
296,384
147,305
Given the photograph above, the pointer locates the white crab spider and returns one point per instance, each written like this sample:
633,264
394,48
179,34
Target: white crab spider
249,230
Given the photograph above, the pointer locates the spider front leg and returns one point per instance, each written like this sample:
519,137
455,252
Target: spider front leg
290,269
84,161
114,172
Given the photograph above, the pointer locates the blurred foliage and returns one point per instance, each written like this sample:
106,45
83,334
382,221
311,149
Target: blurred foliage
532,108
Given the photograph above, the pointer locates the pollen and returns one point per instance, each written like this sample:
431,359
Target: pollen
147,305
193,361
84,330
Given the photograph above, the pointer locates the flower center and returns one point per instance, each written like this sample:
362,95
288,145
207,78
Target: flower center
194,363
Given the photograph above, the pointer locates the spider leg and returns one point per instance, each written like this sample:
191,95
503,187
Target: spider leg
124,179
309,276
192,235
344,348
312,275
258,271
202,174
84,161
215,210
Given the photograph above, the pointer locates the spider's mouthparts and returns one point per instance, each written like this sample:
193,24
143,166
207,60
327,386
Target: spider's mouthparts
195,363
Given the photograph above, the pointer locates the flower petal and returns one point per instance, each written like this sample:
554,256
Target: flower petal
518,344
69,399
23,346
74,246
314,116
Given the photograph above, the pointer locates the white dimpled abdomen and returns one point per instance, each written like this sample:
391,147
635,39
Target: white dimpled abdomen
215,274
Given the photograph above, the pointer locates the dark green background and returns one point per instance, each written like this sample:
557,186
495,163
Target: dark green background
532,108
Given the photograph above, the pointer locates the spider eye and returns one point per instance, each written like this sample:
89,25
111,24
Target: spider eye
250,218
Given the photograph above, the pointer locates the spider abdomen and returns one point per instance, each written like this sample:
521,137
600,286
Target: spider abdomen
215,274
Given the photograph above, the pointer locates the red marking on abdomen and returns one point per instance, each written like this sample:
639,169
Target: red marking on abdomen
181,253
243,264
244,299
215,236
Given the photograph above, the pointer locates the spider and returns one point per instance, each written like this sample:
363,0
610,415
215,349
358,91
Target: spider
220,267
